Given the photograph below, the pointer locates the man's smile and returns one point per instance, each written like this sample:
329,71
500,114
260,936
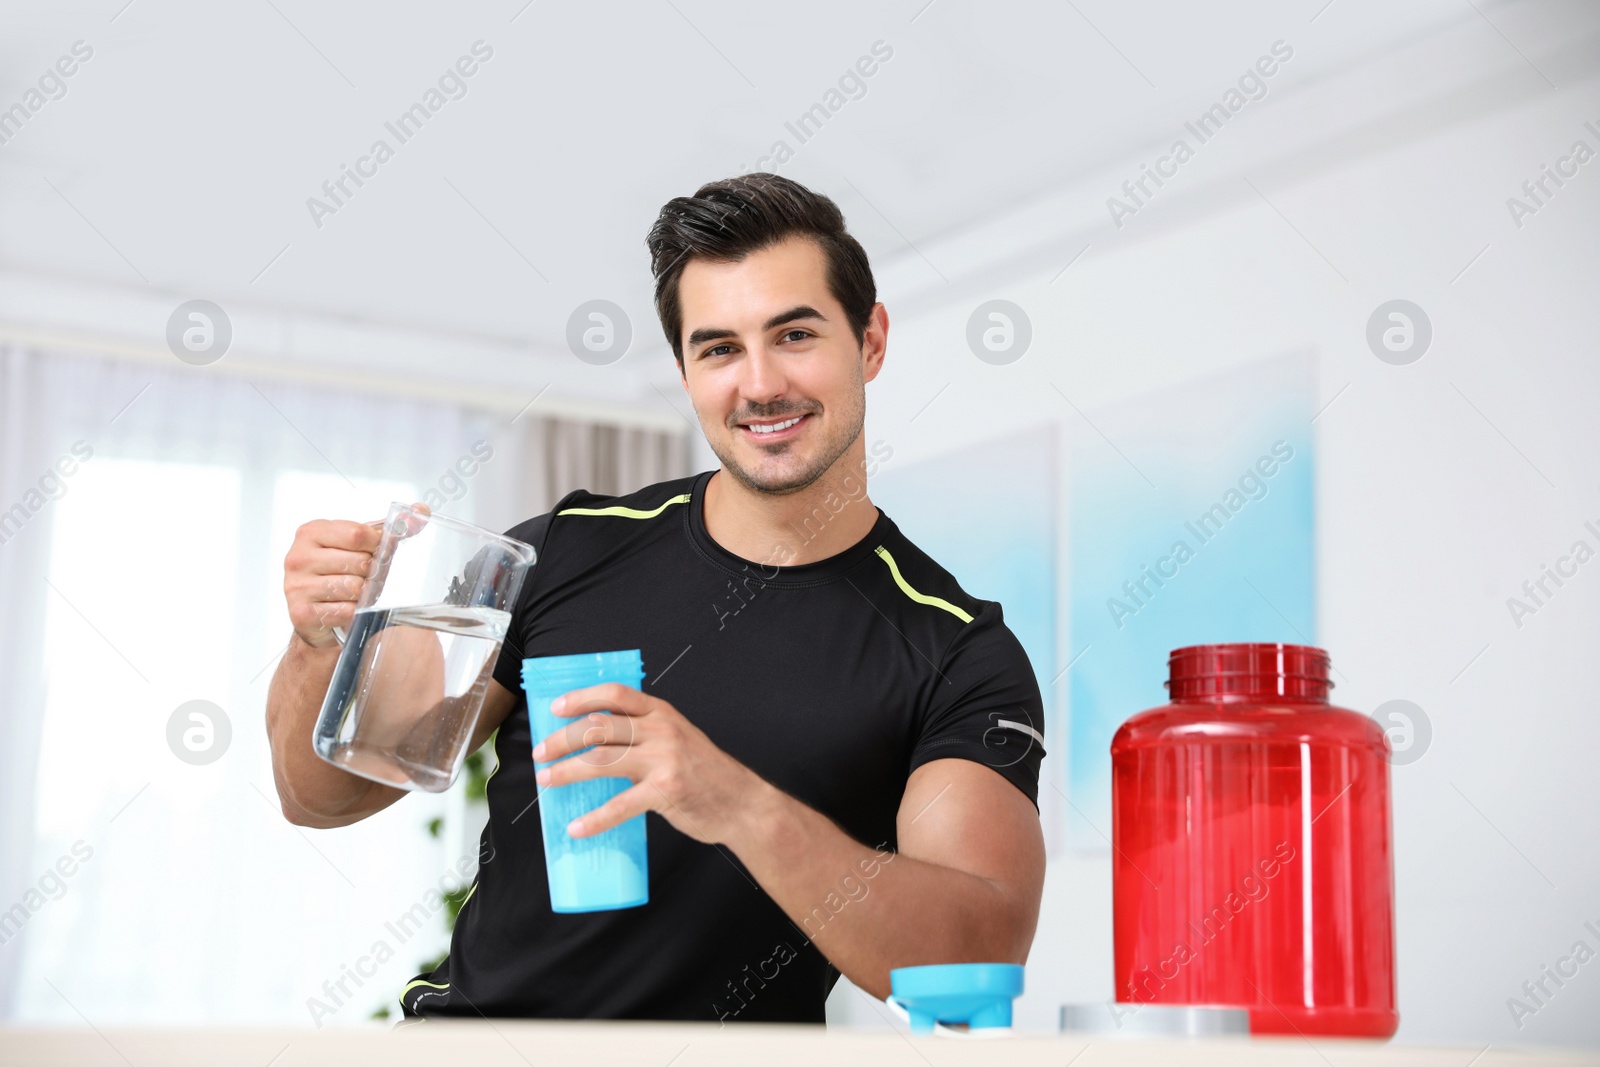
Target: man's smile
769,430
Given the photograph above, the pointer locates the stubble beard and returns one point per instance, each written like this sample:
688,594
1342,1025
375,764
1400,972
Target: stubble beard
853,421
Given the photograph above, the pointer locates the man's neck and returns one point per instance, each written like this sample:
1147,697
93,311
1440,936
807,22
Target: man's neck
822,520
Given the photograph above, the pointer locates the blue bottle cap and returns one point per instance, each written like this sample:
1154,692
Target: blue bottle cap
977,994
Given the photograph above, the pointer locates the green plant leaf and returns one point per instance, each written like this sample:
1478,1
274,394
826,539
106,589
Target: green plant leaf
452,903
477,780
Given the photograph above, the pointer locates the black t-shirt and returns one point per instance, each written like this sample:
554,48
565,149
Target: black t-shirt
832,680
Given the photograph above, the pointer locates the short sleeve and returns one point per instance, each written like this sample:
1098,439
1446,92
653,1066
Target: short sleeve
508,667
986,705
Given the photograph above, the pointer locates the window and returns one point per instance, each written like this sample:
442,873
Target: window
198,902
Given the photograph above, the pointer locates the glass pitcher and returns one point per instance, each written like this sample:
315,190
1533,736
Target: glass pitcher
415,668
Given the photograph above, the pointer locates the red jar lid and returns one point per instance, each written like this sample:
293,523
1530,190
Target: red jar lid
1248,669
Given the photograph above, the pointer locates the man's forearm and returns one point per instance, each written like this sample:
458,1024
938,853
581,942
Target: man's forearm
870,911
312,792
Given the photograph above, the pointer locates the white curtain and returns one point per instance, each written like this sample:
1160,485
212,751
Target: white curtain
144,515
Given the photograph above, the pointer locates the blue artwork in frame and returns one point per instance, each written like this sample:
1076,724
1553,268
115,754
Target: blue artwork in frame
1191,515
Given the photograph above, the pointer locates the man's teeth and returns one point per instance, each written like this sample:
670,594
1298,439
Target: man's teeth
775,427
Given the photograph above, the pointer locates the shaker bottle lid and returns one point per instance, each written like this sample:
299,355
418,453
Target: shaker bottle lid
977,994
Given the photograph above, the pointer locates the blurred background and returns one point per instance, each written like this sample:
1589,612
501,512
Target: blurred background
226,310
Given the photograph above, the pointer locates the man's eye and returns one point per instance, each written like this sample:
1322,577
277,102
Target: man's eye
790,333
714,351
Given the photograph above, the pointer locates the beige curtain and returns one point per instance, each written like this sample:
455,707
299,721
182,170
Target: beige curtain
539,460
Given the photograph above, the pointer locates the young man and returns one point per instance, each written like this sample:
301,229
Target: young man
838,747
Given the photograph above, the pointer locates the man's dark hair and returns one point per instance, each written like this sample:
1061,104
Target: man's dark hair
727,220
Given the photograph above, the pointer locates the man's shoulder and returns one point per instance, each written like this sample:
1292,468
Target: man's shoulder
646,503
650,502
924,586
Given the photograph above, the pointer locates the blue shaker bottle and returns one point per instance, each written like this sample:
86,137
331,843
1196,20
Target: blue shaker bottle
608,870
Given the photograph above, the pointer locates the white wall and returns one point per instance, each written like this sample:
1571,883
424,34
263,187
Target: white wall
1442,485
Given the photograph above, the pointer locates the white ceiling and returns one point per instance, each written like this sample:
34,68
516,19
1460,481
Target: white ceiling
180,160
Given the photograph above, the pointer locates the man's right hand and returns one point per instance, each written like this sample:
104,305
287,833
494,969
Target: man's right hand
323,575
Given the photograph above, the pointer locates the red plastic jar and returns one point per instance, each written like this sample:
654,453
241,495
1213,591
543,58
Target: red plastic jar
1252,862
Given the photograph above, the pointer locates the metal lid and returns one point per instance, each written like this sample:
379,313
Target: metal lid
1114,1019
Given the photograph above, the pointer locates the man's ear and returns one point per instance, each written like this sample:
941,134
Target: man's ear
875,342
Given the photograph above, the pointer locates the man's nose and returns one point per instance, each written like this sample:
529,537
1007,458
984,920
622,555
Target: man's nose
764,379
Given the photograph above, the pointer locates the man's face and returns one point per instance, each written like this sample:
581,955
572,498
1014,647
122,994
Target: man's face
766,344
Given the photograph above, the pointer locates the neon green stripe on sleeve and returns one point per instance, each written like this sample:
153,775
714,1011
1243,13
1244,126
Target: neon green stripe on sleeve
627,513
920,598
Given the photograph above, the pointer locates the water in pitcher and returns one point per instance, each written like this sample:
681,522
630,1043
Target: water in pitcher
410,678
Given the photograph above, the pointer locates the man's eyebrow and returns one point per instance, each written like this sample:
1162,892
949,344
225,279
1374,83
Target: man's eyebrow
714,333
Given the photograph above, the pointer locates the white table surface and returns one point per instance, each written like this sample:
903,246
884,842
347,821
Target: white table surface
507,1043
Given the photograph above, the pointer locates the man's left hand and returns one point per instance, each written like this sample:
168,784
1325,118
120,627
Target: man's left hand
676,770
